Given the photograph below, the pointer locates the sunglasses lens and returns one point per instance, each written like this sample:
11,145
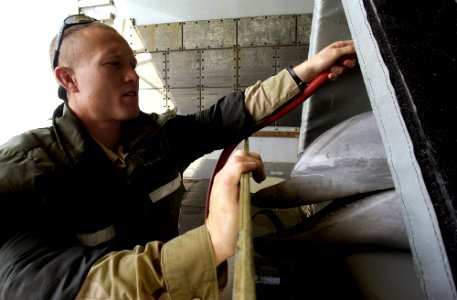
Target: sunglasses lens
78,19
69,22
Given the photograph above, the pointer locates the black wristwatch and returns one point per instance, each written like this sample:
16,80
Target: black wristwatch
301,85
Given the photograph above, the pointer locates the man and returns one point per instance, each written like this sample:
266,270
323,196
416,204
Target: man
90,205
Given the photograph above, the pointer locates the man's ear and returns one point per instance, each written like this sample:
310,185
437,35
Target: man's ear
65,78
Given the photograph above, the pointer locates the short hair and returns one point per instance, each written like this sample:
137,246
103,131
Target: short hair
67,37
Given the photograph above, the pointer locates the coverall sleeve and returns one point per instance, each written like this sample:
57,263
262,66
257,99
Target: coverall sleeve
265,97
182,268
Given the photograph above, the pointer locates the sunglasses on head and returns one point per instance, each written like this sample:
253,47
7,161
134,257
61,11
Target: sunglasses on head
67,23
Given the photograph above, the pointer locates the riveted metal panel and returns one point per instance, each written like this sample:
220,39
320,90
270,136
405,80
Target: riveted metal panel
218,68
161,37
183,69
263,31
255,64
131,35
211,95
186,100
209,34
304,28
290,56
154,100
151,69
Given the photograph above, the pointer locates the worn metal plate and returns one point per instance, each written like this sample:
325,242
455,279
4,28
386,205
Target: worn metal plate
161,37
263,31
304,28
131,35
183,69
209,34
151,69
218,68
182,58
186,100
211,95
255,64
290,56
154,100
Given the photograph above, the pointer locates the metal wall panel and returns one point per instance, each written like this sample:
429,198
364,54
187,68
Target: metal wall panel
290,56
209,34
186,100
219,68
303,28
151,69
264,31
154,100
255,64
183,69
209,96
131,35
193,64
161,37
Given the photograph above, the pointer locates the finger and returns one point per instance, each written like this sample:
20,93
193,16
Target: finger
335,72
350,63
344,43
251,162
259,175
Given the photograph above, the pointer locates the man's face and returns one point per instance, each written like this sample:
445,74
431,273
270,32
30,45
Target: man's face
106,78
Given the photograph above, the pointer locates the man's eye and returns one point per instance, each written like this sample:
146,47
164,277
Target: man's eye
114,63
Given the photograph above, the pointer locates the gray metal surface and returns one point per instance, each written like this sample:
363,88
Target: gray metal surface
333,102
187,100
151,69
199,62
304,22
267,31
254,64
154,100
290,56
218,68
209,96
209,34
161,37
183,69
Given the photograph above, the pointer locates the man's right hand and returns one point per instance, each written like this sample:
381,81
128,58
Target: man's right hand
222,221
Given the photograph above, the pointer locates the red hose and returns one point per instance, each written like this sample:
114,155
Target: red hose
310,89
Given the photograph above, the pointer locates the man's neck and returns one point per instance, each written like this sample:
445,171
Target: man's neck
109,136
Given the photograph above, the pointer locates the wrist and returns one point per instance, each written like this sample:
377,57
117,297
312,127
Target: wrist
222,248
300,83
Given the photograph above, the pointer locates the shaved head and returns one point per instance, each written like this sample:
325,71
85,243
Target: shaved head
72,43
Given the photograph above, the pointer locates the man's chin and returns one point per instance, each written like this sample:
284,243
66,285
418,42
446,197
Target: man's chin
132,114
